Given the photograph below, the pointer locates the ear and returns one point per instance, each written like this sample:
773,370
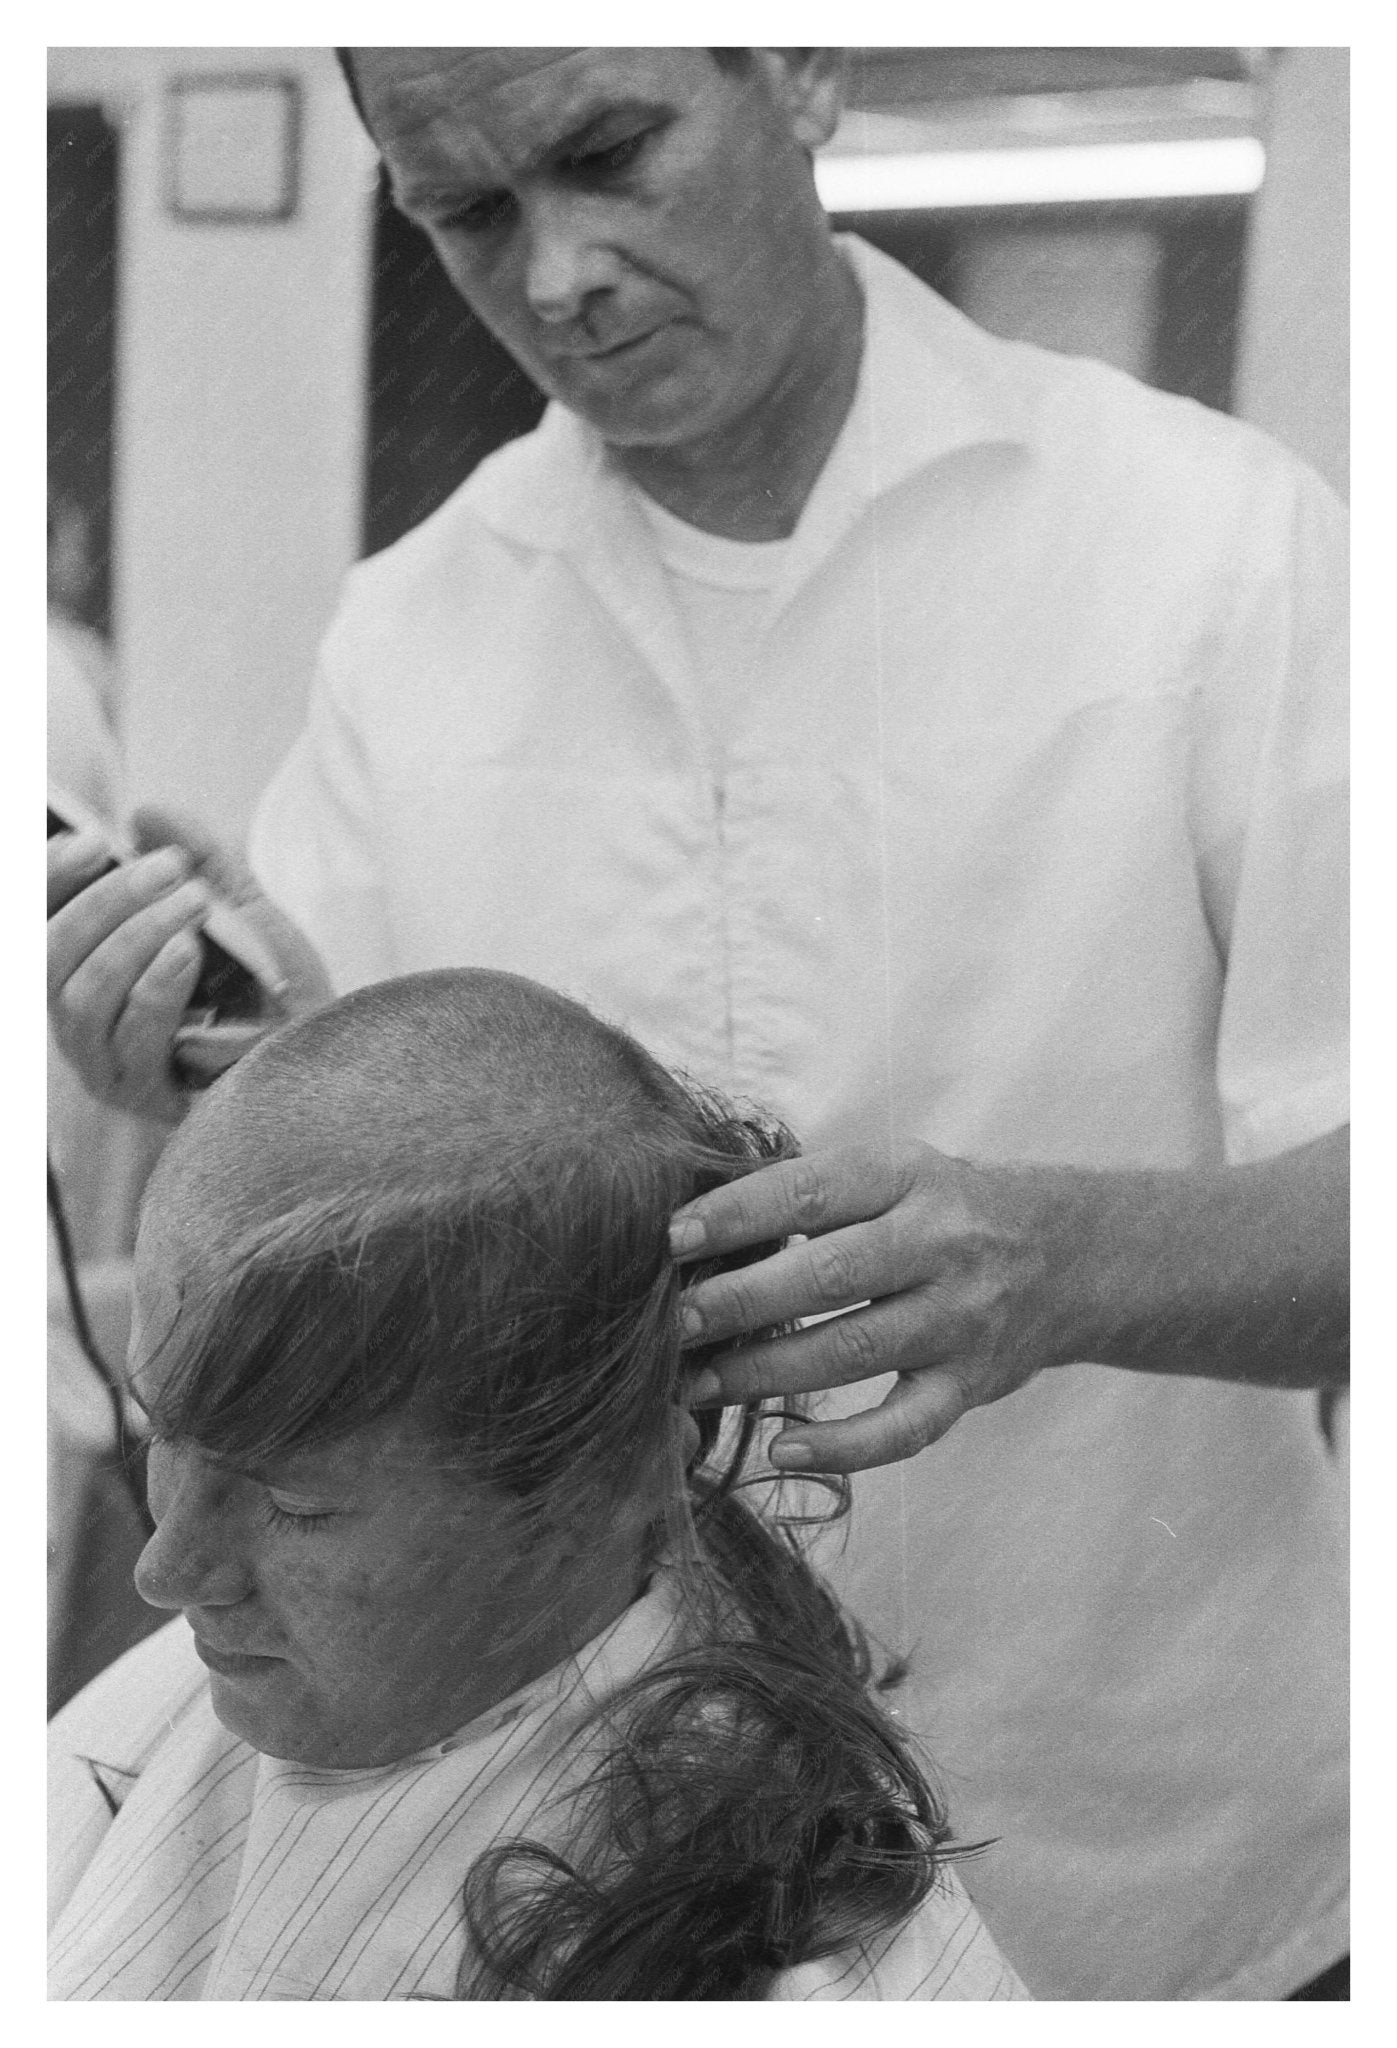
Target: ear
601,1526
808,87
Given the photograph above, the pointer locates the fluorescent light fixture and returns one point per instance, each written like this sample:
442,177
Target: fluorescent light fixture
919,179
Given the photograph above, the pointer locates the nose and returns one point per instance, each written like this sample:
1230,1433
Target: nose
195,1558
568,260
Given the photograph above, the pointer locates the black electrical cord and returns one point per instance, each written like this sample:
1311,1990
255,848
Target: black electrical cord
129,1462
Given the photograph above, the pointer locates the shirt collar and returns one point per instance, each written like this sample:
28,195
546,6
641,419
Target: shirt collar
930,383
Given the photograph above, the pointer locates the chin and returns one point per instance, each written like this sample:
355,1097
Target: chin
295,1735
663,414
279,1734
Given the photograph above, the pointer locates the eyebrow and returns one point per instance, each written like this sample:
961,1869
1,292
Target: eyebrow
236,1466
279,1471
413,197
267,1472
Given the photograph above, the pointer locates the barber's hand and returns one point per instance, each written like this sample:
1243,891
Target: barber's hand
947,1258
123,956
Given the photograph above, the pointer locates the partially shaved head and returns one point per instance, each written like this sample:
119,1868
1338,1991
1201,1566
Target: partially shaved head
407,1333
445,1195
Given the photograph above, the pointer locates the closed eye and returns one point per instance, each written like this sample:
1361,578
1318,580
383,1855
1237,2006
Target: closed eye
284,1518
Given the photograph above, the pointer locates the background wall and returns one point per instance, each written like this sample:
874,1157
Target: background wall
238,472
1293,369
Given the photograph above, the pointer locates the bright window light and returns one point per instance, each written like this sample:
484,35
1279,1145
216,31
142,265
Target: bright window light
1028,177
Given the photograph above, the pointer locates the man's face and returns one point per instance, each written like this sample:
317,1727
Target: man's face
638,227
352,1604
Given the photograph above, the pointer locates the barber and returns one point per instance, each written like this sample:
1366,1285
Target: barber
941,742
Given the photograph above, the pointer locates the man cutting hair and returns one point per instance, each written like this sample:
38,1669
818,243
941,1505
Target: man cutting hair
942,742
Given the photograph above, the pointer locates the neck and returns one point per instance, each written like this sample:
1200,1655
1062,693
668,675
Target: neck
591,1597
751,479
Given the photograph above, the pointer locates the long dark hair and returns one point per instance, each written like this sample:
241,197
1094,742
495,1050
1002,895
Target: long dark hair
499,1272
754,1809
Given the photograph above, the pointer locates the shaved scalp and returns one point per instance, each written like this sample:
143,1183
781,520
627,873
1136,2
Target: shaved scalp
410,1084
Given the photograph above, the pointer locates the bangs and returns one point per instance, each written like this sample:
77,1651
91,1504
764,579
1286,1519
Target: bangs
304,1331
526,1327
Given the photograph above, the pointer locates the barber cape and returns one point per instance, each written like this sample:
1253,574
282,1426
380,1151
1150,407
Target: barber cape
185,1865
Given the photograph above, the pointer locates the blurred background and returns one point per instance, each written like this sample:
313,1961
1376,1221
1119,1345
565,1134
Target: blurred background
258,374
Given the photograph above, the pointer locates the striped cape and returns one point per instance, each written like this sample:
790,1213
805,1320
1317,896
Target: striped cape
184,1865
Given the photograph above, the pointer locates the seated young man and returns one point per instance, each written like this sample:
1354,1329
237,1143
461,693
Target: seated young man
487,1683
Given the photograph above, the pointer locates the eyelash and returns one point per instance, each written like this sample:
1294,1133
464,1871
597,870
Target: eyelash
615,157
281,1518
480,218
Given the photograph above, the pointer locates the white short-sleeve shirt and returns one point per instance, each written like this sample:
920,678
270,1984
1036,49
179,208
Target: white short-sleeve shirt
1027,839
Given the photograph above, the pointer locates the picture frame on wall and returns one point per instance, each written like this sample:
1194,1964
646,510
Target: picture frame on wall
233,147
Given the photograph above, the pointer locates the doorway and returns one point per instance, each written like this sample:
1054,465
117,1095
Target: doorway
82,314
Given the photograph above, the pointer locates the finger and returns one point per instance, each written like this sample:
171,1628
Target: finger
75,859
204,1051
807,1196
144,1031
90,918
917,1410
157,825
808,1279
302,983
903,1334
91,999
